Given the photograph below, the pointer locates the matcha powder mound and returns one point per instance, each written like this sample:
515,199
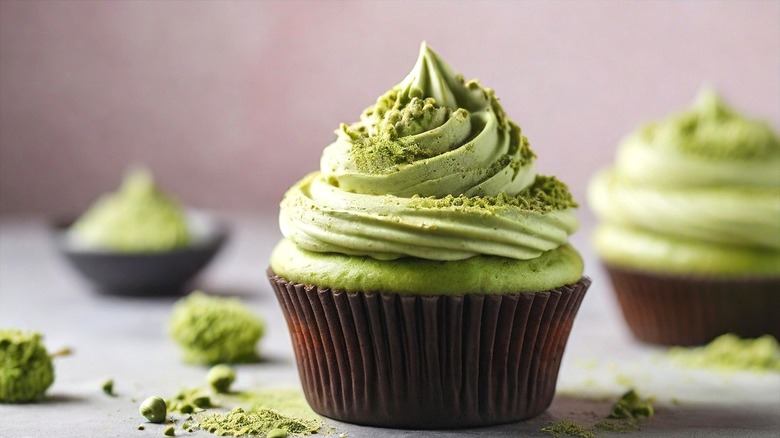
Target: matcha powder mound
240,423
26,370
731,353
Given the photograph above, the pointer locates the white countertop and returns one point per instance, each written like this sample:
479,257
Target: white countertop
125,339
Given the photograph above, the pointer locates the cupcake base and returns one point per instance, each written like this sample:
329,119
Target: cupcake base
683,310
416,361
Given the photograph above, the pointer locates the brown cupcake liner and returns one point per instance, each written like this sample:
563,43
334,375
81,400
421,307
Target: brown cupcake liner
437,361
690,310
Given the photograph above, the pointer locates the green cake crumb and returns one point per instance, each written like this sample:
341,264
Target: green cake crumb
729,352
220,377
238,422
632,406
567,428
154,409
169,431
108,387
26,369
212,330
711,129
139,217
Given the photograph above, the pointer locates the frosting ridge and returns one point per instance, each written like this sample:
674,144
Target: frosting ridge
433,170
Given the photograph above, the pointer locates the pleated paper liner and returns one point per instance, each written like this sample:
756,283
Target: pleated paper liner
439,361
692,310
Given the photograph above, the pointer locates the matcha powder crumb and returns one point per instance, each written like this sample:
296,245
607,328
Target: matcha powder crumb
567,428
261,422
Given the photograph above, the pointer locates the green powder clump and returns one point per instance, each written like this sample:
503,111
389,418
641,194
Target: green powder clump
729,352
188,401
26,369
212,330
238,422
567,428
626,413
631,406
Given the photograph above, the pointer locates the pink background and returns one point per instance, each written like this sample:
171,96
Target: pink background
230,103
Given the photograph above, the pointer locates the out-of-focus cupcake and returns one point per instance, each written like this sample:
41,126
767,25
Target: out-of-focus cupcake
690,226
425,274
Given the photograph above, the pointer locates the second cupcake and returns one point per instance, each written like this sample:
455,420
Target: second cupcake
690,230
425,274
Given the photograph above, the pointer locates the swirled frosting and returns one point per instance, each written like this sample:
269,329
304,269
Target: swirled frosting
696,192
433,170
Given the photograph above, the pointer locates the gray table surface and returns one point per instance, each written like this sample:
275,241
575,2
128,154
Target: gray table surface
125,339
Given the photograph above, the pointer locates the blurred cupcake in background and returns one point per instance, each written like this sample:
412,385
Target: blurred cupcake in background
690,225
139,217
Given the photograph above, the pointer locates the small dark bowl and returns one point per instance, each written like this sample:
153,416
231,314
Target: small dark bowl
152,273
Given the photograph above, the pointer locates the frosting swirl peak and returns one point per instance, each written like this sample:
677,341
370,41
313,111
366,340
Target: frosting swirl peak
434,169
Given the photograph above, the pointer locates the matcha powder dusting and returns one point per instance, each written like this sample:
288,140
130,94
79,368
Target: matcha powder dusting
26,370
260,422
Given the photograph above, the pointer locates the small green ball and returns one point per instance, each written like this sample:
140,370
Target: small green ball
26,369
220,377
154,409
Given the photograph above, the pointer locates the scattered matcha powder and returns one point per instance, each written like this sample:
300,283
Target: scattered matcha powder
26,369
567,428
238,422
729,352
624,417
212,330
108,387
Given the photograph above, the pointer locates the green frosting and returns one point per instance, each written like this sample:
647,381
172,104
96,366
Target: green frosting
139,217
433,171
409,275
212,330
696,193
26,369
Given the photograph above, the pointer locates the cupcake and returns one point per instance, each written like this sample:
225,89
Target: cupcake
690,226
425,272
